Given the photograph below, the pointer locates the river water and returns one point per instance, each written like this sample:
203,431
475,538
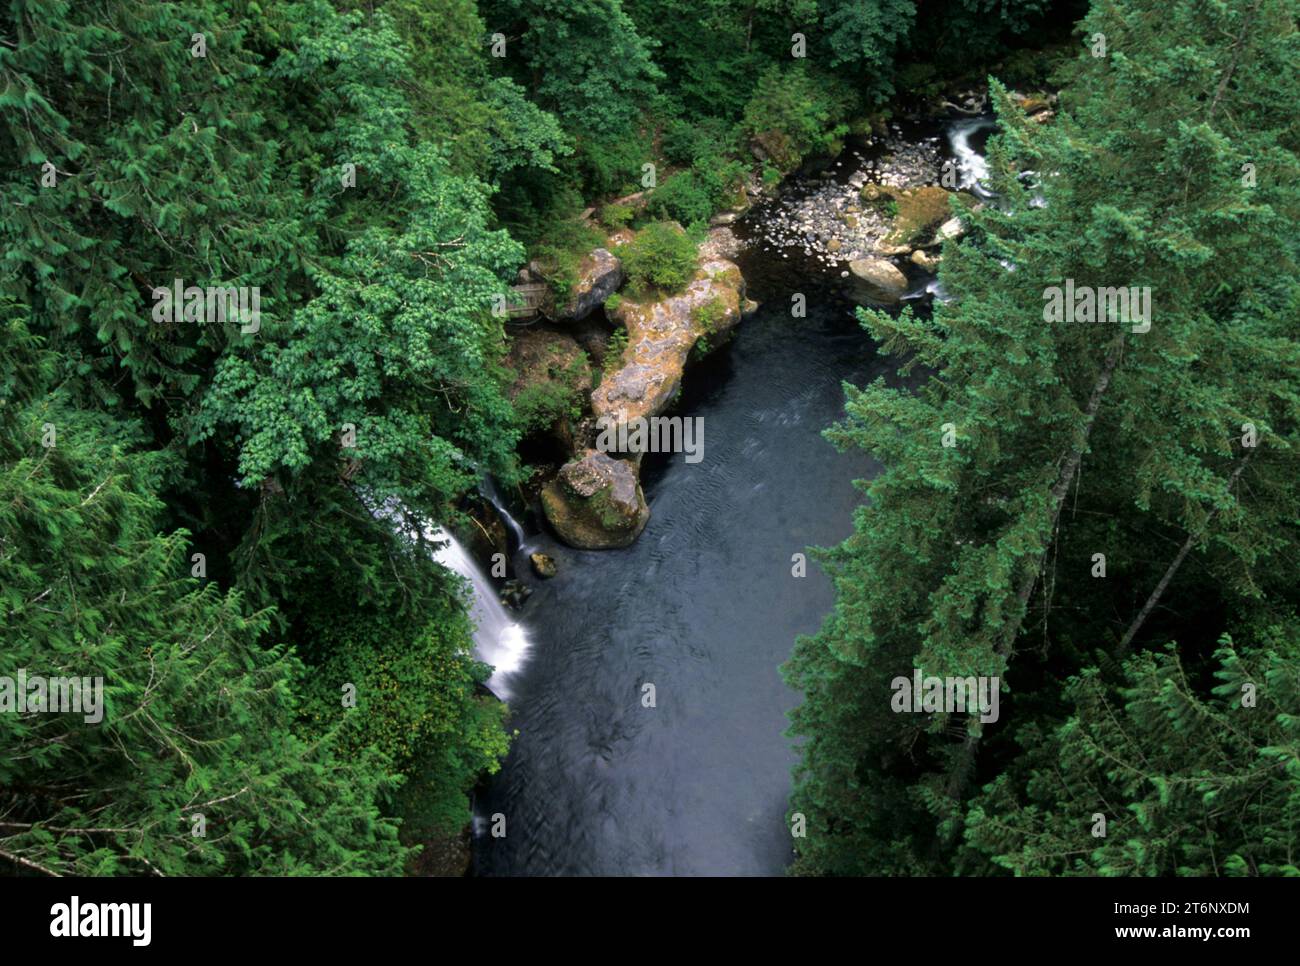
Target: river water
703,606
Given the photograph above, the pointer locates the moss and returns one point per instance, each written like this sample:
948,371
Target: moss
916,213
708,316
602,505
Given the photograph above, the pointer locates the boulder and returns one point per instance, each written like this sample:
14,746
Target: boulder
596,503
543,565
877,280
920,212
599,275
925,261
952,228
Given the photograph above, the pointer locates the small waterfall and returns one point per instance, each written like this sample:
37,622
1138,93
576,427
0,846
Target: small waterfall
488,490
971,165
498,640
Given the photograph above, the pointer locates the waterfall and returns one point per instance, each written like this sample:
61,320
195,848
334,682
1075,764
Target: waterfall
971,164
499,641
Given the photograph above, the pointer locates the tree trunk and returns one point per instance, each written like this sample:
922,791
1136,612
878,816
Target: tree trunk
1121,651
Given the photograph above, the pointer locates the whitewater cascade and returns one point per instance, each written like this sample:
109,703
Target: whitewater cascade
488,490
971,164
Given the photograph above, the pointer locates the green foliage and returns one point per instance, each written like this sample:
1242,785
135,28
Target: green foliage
487,125
1189,782
681,198
584,60
416,703
614,350
197,718
661,259
615,217
538,406
708,315
560,256
691,197
794,114
612,165
866,34
375,300
556,394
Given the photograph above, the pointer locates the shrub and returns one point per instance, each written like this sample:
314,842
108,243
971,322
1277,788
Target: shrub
683,198
693,142
794,115
567,242
614,351
661,258
615,217
538,406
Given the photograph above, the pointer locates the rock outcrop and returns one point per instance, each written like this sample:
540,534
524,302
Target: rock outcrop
596,503
599,275
661,335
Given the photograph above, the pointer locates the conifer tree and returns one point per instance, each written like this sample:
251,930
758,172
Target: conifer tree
966,557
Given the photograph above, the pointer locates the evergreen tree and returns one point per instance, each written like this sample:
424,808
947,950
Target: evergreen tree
966,561
1156,777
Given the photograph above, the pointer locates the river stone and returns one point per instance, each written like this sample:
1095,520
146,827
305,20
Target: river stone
925,261
600,274
920,212
952,228
596,503
878,280
543,564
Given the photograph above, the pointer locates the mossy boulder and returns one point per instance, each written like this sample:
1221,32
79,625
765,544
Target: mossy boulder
599,274
596,503
919,211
